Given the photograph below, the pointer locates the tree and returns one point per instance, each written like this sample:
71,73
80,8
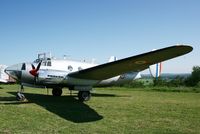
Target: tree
177,81
194,79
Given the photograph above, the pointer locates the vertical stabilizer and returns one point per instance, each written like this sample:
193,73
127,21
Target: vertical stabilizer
155,70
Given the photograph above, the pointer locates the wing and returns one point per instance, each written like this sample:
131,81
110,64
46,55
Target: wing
134,63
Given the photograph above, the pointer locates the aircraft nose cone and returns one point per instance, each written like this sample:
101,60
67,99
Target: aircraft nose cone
14,71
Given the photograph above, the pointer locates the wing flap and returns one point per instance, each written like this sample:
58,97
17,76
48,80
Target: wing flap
134,63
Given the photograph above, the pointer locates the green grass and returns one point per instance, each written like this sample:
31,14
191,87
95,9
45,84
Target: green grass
111,110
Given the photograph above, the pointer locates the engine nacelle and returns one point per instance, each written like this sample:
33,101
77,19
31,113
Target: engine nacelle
155,70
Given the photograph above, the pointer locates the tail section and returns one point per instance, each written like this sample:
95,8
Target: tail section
3,76
156,70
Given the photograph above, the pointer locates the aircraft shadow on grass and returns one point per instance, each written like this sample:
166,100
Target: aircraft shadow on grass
66,107
108,95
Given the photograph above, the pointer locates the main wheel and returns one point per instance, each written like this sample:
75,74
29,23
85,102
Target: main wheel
57,91
84,95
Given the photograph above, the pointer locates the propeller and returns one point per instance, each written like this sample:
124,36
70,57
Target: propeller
34,71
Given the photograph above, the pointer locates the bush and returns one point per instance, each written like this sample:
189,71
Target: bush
134,84
198,85
176,82
194,79
160,82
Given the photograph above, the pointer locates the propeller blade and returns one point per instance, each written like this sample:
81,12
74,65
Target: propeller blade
33,67
38,67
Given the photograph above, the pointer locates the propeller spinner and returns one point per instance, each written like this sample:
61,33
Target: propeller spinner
34,70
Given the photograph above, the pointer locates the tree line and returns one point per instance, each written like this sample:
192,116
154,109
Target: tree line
191,81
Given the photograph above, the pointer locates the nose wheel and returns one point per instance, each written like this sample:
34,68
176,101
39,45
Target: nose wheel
84,95
20,96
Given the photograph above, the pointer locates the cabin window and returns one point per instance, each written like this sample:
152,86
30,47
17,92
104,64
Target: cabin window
70,68
49,63
80,68
44,63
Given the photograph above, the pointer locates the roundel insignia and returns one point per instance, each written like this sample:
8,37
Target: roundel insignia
141,62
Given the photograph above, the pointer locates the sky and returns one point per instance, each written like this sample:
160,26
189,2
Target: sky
98,29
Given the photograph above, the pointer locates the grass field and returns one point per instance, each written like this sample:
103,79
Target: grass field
111,110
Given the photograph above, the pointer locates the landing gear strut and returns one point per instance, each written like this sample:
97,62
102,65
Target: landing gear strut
20,96
84,95
57,91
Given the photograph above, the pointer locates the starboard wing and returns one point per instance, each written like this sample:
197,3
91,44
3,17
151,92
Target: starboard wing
134,63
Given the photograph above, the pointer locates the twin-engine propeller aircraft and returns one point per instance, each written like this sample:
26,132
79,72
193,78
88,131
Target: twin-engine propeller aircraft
82,77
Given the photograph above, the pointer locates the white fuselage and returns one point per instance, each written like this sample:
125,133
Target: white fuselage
54,72
57,73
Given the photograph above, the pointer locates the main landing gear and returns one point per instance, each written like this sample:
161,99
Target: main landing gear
57,91
82,95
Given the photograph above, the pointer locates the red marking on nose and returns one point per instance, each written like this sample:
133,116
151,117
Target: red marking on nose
33,72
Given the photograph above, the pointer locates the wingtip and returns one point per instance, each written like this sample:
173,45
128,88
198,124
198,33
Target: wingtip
186,46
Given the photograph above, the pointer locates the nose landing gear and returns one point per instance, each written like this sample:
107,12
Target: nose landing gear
20,96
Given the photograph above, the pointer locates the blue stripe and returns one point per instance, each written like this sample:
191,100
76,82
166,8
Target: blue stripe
156,71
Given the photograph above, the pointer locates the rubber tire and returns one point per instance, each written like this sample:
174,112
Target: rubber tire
20,97
84,95
57,91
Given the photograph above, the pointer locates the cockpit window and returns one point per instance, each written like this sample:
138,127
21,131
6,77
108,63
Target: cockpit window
37,60
23,66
